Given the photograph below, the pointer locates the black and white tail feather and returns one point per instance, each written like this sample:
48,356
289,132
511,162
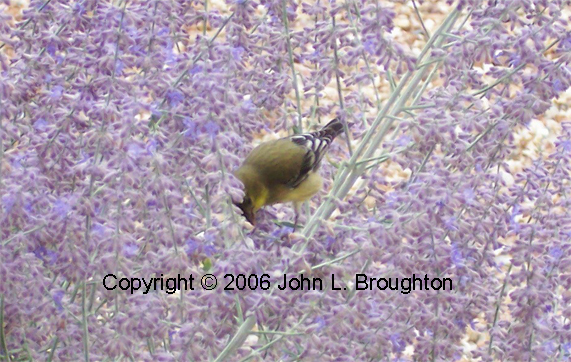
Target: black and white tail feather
316,144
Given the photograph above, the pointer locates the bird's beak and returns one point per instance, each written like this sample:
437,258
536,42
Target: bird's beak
251,217
248,213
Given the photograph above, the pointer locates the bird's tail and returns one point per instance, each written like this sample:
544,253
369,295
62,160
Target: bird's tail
330,130
317,144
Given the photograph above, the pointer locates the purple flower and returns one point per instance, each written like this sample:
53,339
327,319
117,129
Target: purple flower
130,249
40,125
174,97
369,46
209,250
556,253
135,150
248,106
514,60
565,146
397,342
211,128
84,158
196,69
404,141
98,229
285,230
191,246
456,256
171,57
8,202
566,42
515,212
46,255
391,199
558,86
321,323
450,224
79,8
61,208
469,195
151,146
152,203
119,66
329,241
237,51
56,92
191,128
58,298
51,48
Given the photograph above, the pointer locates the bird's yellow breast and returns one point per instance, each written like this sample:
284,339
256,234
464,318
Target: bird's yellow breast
309,187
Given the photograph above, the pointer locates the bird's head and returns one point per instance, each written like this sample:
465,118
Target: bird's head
248,210
256,193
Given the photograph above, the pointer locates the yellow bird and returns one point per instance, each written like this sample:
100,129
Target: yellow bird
285,170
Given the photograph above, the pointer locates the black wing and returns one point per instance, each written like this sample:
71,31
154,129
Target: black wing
316,144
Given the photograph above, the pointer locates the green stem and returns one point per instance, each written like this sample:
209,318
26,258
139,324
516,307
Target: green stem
291,63
372,139
338,79
243,332
84,325
3,342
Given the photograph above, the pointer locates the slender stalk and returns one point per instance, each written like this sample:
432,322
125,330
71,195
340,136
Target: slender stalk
279,333
205,17
338,80
84,325
412,177
367,65
292,65
426,33
39,227
371,142
169,219
333,261
498,305
3,342
268,345
30,19
53,349
156,123
236,342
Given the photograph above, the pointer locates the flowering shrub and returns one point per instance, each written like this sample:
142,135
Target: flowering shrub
123,121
